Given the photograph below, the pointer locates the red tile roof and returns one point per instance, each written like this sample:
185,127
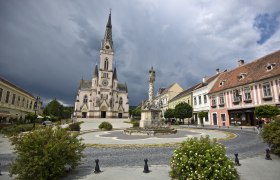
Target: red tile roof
252,72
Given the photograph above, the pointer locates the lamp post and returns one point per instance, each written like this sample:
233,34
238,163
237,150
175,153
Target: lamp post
35,109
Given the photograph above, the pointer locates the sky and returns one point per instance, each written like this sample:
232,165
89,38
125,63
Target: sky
47,46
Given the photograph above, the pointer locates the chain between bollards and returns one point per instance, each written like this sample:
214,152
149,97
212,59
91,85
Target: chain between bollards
146,168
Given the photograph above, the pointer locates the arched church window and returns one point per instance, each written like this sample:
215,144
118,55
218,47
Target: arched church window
106,64
121,100
85,99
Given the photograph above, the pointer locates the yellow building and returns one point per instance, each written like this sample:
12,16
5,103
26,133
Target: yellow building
184,96
15,102
165,94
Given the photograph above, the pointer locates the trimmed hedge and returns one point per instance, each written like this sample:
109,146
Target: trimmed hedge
16,129
105,126
271,135
75,126
202,159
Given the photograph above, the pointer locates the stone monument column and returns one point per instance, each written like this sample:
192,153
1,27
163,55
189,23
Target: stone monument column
152,76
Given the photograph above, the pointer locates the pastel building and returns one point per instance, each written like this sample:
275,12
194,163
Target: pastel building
236,93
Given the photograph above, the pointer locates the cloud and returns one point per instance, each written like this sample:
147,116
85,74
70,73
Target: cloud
46,47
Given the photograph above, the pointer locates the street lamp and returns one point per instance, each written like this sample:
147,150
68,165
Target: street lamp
35,109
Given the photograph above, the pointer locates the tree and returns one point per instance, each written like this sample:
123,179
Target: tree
271,135
266,111
201,115
44,153
183,110
54,108
169,113
31,116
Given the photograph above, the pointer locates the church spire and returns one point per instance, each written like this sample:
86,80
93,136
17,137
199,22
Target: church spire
108,40
95,71
115,74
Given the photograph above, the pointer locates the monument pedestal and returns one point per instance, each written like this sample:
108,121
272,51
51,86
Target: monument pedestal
150,118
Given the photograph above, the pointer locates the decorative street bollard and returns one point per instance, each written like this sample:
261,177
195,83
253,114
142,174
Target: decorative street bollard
0,170
97,168
241,127
146,168
267,156
237,160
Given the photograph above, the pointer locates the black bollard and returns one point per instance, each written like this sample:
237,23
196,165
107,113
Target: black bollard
237,160
0,170
146,168
241,127
228,127
267,156
97,168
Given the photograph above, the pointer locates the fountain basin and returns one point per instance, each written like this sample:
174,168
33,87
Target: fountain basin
149,131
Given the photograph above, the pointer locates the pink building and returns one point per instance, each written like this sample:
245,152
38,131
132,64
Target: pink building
236,93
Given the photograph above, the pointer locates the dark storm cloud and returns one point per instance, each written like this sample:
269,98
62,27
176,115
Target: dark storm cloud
46,46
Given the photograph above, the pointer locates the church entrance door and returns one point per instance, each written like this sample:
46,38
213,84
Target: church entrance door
103,114
120,115
84,114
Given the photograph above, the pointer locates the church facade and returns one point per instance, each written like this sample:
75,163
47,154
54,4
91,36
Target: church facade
103,96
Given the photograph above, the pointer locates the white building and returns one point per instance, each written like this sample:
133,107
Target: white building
201,99
103,96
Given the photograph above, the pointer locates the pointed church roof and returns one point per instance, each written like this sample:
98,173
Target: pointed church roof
115,74
95,71
108,33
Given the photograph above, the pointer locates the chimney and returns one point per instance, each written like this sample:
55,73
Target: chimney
240,63
217,71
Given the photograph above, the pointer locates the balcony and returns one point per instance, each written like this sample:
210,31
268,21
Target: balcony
267,98
222,104
236,100
247,100
213,105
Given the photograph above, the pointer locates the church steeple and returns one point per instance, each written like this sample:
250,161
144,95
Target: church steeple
107,42
115,74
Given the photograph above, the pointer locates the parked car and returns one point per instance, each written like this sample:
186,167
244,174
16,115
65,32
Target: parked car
47,123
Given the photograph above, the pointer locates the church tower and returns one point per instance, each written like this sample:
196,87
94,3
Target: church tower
107,97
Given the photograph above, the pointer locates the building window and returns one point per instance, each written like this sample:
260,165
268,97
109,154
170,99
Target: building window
121,100
7,97
106,64
214,101
236,96
18,103
221,97
199,99
13,99
247,93
223,117
205,98
206,118
1,93
266,90
194,101
85,100
30,105
23,101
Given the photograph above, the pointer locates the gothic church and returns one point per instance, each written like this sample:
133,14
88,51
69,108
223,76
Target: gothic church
103,96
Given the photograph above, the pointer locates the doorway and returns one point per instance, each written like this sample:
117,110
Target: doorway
215,119
103,114
120,115
84,114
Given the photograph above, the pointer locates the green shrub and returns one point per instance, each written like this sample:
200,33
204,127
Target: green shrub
201,159
135,124
44,153
105,126
16,129
271,135
75,126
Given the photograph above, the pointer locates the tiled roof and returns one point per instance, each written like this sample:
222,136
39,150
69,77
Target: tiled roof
84,84
249,73
14,86
207,81
184,93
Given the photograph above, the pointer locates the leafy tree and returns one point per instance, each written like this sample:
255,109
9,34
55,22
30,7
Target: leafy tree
44,153
67,112
266,111
31,116
201,115
54,108
169,113
183,110
271,135
202,159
